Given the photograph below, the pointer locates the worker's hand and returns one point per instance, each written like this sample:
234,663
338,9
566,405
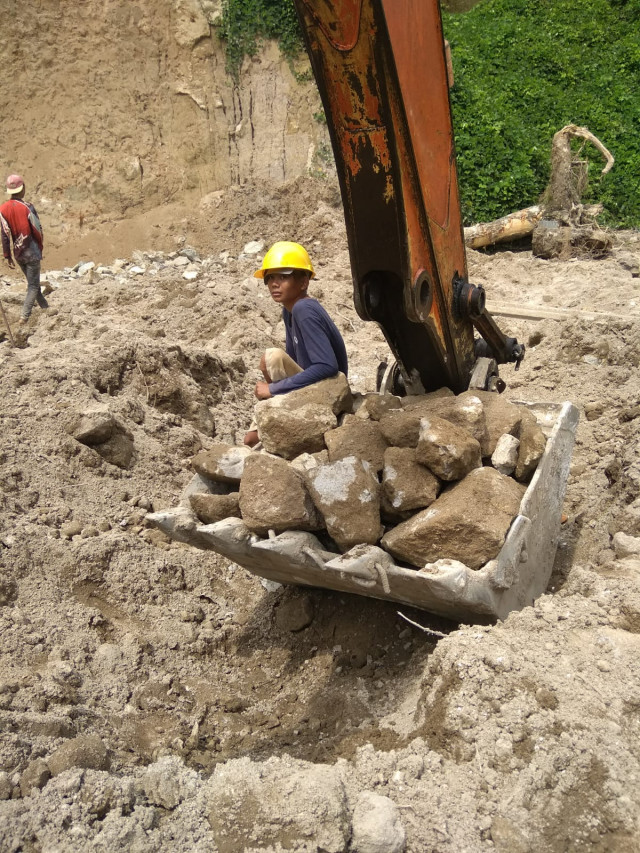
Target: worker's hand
12,266
262,391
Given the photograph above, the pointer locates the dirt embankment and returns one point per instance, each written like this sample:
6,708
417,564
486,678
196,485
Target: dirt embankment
125,124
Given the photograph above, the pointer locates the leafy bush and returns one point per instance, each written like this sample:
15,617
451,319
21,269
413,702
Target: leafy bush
523,70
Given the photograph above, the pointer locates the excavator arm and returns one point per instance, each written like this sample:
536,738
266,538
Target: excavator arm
381,70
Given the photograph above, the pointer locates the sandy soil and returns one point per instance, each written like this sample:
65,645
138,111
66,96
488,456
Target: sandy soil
154,678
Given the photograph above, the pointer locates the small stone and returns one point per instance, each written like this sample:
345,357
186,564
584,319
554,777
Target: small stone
71,529
626,546
87,751
295,614
35,776
376,825
6,787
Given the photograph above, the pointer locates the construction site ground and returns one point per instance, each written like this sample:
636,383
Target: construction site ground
521,736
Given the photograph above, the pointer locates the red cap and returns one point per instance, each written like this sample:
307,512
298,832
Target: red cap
15,183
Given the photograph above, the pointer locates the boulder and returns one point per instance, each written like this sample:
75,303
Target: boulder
406,485
99,429
34,777
273,496
93,426
211,508
374,406
347,494
447,450
290,432
357,437
402,428
334,393
223,463
502,417
467,523
532,445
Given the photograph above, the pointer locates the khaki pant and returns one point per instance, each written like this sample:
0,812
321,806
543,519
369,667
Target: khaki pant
279,366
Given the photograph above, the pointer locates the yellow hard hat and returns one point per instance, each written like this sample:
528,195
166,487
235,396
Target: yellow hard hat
285,256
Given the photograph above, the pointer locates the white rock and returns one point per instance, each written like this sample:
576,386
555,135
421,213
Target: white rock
376,825
83,269
626,546
253,247
190,275
505,456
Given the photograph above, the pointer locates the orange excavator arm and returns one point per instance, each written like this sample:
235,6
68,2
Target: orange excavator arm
381,70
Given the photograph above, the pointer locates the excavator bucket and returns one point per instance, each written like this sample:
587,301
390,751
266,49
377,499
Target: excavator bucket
515,578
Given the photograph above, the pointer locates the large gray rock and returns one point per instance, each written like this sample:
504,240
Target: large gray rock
211,508
223,463
93,426
334,393
273,496
447,450
467,523
357,437
347,494
502,417
374,406
290,432
277,802
406,485
465,411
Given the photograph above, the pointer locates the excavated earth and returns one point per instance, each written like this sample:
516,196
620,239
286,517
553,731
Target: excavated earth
154,697
168,666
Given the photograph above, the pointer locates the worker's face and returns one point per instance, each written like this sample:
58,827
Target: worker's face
287,288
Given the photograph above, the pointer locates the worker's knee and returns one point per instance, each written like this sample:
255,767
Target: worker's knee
263,368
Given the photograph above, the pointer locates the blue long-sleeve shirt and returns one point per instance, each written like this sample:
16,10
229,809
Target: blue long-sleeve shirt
314,342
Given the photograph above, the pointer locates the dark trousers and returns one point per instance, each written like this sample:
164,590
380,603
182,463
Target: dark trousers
31,269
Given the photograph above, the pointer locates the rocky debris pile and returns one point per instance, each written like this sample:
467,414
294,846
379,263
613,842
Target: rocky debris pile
435,476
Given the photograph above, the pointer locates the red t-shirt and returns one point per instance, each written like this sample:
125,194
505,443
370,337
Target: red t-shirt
19,222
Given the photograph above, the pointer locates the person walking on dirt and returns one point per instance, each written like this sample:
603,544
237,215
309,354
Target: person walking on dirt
314,346
21,228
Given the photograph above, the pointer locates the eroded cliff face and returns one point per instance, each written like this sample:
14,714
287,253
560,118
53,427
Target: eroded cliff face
122,118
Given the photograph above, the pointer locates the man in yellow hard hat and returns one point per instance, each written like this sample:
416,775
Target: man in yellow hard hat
314,346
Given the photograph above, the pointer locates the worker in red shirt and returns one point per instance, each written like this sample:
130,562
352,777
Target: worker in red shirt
21,229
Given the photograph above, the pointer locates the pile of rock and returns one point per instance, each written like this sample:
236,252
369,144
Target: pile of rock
426,477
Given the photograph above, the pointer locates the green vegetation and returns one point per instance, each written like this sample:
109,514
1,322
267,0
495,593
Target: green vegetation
523,70
245,23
